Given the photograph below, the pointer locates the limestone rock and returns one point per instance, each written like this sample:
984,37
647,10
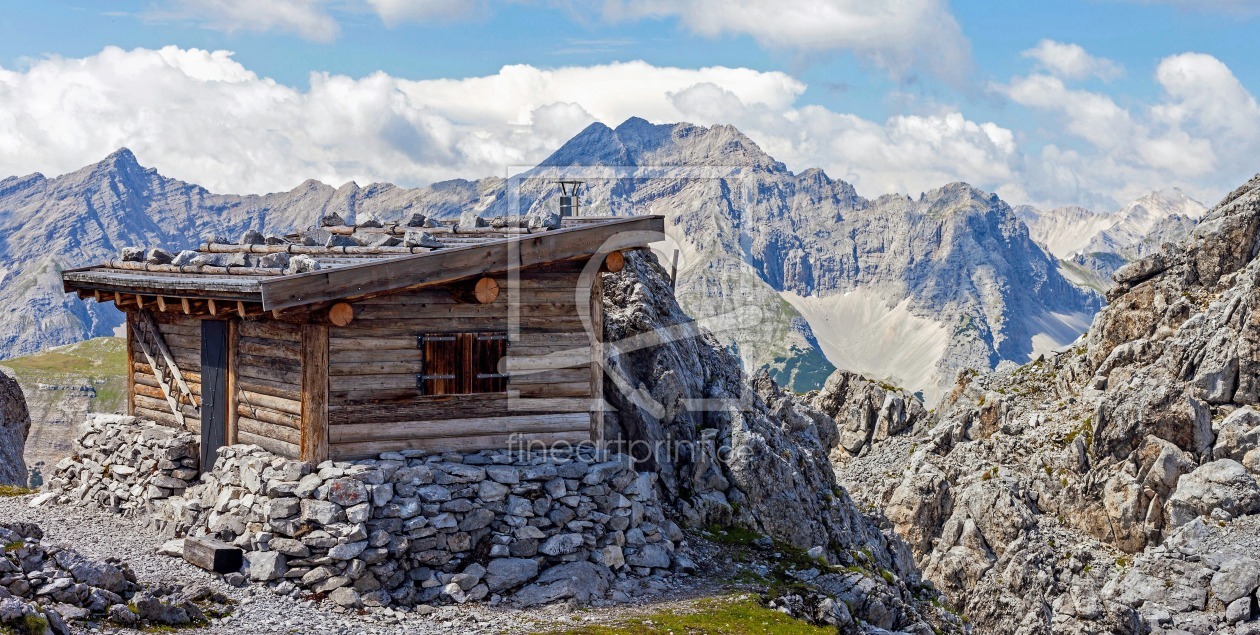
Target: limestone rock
15,425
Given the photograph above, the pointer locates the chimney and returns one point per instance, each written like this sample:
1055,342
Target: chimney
569,202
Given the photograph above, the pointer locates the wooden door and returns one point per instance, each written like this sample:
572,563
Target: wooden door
214,389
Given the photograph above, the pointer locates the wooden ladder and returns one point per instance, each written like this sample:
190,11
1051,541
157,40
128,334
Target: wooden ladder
153,345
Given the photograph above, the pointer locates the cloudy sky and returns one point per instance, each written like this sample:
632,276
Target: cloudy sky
1049,103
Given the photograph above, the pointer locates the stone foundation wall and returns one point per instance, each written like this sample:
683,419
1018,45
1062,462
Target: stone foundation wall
127,465
402,529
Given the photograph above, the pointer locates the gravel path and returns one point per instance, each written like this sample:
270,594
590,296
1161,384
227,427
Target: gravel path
100,534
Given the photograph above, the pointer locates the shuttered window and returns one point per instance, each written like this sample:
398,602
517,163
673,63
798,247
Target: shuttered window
461,363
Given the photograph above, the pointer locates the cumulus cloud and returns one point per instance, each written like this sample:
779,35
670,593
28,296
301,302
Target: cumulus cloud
1071,61
203,117
306,18
903,37
1202,134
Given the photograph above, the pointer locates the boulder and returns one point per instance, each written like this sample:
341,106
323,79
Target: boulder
1220,485
1239,434
583,581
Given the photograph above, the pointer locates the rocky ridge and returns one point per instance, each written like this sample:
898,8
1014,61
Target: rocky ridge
1092,245
15,425
783,265
1112,487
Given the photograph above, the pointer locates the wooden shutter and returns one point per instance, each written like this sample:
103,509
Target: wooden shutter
440,364
486,351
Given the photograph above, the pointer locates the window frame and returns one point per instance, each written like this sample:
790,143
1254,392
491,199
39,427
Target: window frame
472,367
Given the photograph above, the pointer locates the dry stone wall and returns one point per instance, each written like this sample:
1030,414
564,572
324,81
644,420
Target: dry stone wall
128,466
404,529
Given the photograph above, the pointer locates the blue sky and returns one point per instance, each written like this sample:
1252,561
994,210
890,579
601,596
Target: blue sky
1081,102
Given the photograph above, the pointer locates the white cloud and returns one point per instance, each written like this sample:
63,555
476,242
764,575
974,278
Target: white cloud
1202,134
203,117
903,37
306,18
1070,61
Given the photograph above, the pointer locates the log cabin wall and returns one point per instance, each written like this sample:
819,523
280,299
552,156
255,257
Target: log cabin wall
183,338
374,404
268,385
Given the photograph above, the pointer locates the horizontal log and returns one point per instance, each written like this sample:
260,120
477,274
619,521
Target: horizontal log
155,393
190,376
291,378
452,407
269,347
269,416
495,310
551,376
339,369
221,248
274,446
182,341
184,327
557,390
273,387
248,398
369,449
261,428
270,329
164,418
397,395
481,426
408,379
159,404
349,356
213,555
149,381
279,363
197,269
517,361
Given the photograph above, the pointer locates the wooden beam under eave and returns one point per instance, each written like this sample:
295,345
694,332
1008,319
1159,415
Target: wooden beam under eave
161,302
187,306
240,309
214,308
139,301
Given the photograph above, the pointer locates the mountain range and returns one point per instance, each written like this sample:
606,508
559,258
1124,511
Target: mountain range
1093,245
795,271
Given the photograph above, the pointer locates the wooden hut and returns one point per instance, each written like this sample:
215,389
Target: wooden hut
350,341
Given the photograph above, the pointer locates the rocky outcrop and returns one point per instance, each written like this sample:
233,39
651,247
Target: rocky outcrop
733,451
866,411
1097,489
15,425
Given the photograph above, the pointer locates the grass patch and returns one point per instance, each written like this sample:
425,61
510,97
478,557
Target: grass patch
28,625
739,615
7,491
100,363
732,535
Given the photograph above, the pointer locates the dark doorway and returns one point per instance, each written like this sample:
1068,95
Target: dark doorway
214,397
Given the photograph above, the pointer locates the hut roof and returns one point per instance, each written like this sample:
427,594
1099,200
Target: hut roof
345,261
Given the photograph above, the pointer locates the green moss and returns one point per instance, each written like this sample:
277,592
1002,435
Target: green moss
13,490
737,615
13,546
28,625
732,535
